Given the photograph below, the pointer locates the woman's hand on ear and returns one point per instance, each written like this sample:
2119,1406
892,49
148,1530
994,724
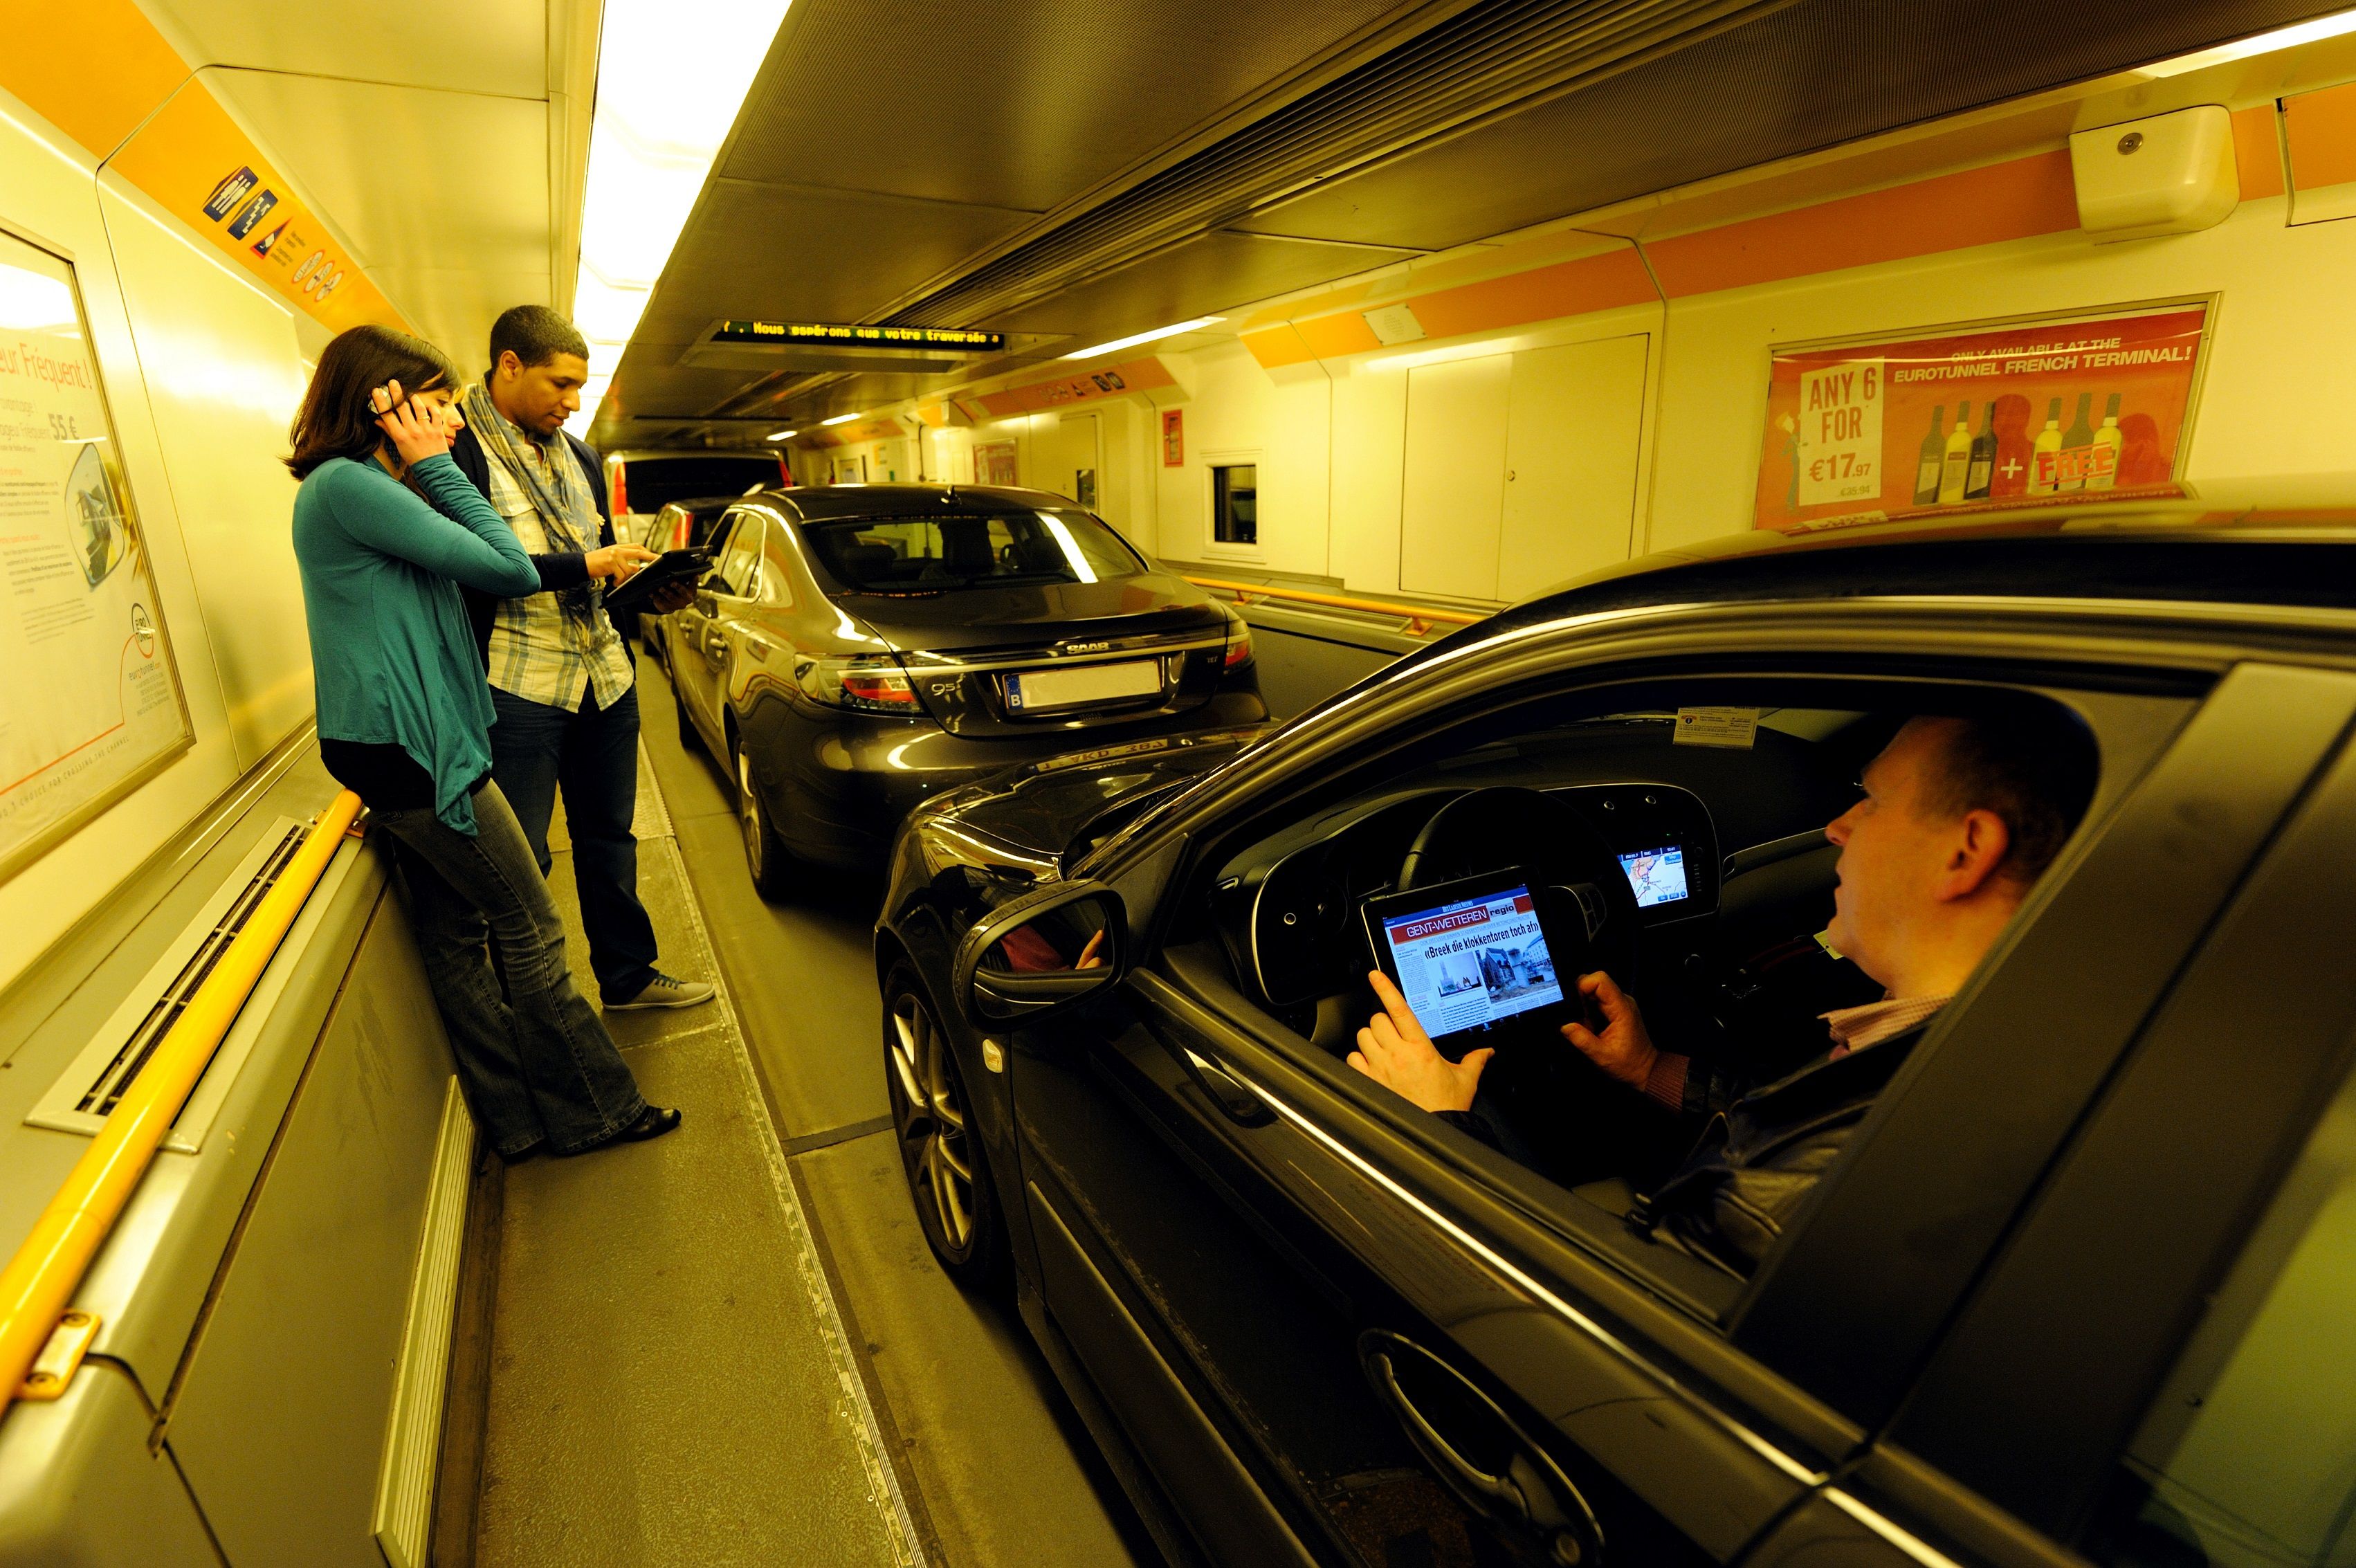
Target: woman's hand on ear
417,434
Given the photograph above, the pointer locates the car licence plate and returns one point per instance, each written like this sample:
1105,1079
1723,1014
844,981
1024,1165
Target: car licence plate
1039,691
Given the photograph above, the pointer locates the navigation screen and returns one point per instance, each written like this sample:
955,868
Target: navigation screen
1658,875
1468,965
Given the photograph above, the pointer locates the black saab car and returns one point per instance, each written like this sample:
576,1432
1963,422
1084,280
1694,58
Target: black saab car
860,647
2076,1288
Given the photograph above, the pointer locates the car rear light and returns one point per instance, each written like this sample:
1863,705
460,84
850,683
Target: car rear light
1239,647
866,684
619,502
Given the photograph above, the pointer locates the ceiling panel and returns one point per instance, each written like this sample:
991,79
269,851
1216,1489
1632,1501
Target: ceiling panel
778,253
461,45
1019,103
1807,76
1204,277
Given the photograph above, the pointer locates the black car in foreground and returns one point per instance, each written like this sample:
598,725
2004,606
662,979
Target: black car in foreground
859,649
2077,1288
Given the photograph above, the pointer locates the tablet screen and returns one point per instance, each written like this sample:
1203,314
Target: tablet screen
1468,963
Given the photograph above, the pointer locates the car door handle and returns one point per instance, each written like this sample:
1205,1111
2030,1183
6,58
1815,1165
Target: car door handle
1480,1453
1238,1104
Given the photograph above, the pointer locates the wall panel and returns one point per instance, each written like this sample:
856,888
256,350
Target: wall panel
1452,496
1571,439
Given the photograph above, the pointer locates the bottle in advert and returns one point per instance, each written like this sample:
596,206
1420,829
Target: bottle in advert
1957,457
2009,414
1979,475
1932,458
2045,458
2078,445
2103,457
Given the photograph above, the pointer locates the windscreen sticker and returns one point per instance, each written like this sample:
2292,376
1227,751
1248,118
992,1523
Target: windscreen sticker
1735,727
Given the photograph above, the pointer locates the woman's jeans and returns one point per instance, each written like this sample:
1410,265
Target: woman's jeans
536,1062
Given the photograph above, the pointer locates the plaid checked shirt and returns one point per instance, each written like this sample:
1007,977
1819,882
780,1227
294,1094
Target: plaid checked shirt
537,653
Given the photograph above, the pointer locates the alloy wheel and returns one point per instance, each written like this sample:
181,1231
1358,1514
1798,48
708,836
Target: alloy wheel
928,1112
748,814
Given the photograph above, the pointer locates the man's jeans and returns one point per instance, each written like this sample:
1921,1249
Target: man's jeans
593,756
537,1062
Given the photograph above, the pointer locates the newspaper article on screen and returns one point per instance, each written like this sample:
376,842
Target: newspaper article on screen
1468,963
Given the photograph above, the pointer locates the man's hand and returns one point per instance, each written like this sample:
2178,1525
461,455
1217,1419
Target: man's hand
671,597
1395,1052
619,562
1624,1049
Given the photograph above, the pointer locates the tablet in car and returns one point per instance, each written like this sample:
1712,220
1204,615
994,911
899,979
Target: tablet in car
1470,954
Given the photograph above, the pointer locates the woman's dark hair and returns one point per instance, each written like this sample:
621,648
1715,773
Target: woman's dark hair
335,420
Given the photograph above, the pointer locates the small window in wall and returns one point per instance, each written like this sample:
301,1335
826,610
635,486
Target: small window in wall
1235,504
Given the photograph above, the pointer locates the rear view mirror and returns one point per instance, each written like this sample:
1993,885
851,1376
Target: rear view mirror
1037,955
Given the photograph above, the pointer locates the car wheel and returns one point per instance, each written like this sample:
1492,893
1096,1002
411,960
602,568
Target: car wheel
689,740
948,1172
764,856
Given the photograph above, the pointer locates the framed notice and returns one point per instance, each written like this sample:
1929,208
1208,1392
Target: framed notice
2051,412
1173,437
92,702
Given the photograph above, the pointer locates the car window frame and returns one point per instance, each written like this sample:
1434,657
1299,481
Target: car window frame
748,523
2034,1424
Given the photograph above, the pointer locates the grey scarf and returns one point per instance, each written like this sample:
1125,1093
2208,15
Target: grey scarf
558,507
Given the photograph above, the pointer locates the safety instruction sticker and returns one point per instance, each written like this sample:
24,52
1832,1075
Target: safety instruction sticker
1734,727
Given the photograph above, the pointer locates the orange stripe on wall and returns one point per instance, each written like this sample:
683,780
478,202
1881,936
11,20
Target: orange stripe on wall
1330,336
1977,206
1567,288
2321,130
96,68
1275,346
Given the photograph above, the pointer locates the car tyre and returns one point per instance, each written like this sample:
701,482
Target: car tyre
948,1170
765,856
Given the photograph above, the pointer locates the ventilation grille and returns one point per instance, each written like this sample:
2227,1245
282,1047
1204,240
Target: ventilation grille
1492,58
87,1091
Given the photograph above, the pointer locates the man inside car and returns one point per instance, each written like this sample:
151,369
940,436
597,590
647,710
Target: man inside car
1960,818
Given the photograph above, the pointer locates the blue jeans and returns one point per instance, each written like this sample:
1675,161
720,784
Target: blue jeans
536,1062
592,756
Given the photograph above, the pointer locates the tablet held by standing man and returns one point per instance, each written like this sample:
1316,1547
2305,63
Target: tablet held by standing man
561,680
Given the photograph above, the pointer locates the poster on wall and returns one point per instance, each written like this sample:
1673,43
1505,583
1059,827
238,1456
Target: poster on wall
92,703
2045,413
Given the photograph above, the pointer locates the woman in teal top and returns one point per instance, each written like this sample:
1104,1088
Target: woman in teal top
386,529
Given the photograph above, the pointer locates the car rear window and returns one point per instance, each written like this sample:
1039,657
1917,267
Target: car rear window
655,482
938,555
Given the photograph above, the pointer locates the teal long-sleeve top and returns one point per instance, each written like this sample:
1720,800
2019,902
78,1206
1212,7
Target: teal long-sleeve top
391,650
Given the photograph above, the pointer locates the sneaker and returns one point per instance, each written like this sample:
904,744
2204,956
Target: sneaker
663,990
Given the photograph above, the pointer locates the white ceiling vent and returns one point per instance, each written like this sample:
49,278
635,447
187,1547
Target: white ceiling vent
2172,174
83,1095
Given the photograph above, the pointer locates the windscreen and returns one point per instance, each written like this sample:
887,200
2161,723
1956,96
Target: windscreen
656,482
1466,964
939,554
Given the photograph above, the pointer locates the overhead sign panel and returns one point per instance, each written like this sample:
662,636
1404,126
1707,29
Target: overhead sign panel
823,335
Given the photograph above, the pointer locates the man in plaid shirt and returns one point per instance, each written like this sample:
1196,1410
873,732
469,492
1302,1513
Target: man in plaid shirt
561,678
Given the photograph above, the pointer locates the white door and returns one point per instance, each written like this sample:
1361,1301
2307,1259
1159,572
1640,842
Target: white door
1064,456
1452,495
1576,412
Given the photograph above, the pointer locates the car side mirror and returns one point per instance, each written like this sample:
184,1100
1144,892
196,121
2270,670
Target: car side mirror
1041,953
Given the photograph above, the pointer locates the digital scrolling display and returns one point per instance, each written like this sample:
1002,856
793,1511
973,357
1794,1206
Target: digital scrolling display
1468,965
823,335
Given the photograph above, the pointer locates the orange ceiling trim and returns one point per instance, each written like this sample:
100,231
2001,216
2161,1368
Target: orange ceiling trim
1607,282
2257,152
2321,130
95,69
1330,336
1111,381
100,71
2011,200
1275,346
192,158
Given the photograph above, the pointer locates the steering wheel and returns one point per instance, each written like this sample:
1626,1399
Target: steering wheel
1489,828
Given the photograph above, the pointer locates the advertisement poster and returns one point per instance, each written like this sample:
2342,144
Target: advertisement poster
2047,412
92,702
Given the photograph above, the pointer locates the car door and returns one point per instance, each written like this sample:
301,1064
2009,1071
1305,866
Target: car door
2159,1373
1379,1332
683,628
703,650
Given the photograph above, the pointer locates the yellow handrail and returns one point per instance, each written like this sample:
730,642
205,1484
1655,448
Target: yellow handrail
48,1269
1418,621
